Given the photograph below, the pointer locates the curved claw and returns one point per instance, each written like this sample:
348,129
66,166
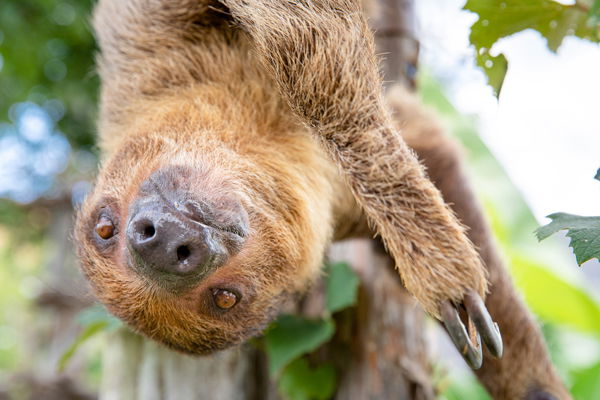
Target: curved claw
488,329
480,323
472,353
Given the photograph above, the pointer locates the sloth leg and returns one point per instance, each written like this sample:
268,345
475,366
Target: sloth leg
524,371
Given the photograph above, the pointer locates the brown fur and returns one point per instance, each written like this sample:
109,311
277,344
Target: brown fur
226,120
250,110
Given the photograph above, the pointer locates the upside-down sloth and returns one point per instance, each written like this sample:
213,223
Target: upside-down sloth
239,139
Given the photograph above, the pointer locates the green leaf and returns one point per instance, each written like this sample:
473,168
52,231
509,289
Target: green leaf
495,68
292,336
94,319
597,172
554,299
499,19
342,287
301,382
583,231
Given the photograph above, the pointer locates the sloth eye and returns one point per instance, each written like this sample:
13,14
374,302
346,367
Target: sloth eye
105,228
224,299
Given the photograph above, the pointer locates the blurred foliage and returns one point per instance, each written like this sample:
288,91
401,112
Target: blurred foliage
342,287
586,382
93,320
18,284
48,96
48,100
300,381
47,54
291,336
553,20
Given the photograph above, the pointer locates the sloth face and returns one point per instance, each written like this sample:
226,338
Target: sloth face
196,250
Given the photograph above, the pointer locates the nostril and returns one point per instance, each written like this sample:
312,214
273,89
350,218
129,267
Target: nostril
148,231
183,252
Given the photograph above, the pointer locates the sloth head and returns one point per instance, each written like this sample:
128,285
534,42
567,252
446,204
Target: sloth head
194,244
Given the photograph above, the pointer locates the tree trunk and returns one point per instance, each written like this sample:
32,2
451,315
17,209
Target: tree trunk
383,337
379,348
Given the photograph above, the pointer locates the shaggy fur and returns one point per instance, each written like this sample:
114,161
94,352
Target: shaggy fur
267,102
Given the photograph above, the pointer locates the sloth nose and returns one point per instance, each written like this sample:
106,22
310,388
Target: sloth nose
176,237
167,243
172,248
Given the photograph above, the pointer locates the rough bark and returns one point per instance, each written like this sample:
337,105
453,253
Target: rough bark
382,341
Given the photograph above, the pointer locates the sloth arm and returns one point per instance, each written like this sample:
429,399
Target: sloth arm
321,56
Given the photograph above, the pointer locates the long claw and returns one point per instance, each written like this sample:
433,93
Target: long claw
488,329
472,353
468,342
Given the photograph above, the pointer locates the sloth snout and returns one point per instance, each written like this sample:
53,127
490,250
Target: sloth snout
177,246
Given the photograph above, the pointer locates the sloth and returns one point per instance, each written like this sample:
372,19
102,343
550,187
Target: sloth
239,138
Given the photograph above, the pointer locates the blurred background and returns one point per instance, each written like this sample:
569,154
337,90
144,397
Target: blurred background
532,152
